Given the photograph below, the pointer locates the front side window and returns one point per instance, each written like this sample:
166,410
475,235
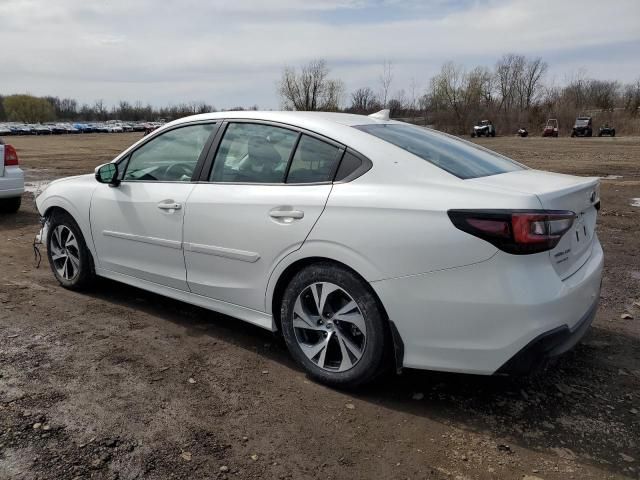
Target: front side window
314,161
170,157
253,153
460,158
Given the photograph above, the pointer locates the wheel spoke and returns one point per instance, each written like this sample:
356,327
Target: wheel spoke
320,293
75,261
303,316
351,313
56,237
312,350
57,254
347,346
71,241
298,323
65,268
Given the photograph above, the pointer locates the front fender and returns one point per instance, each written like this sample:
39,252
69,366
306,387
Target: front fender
73,196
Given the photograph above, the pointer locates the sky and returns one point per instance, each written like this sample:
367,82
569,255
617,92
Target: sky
231,53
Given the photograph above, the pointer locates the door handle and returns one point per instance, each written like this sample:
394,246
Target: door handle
169,206
297,214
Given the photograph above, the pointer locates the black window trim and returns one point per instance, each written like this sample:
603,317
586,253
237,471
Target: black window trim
199,163
207,167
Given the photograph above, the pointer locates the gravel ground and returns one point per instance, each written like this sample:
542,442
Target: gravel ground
118,383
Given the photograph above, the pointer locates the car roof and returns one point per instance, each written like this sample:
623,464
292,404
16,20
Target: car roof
289,117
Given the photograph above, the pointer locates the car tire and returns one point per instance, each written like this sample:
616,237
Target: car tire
10,205
345,349
69,258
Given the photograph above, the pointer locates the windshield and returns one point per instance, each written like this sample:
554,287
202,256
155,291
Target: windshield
581,122
460,158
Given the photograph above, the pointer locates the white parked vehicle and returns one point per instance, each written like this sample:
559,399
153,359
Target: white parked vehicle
11,179
367,243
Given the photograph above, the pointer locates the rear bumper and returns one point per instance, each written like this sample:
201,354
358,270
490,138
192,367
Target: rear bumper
546,347
475,319
12,182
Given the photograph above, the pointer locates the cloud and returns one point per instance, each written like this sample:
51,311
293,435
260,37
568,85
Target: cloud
230,53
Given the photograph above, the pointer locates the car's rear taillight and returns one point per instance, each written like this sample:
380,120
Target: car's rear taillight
519,232
10,156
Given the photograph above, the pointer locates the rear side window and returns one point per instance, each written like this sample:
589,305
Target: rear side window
253,153
349,164
314,161
460,158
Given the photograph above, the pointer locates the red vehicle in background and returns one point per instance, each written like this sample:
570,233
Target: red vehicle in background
551,128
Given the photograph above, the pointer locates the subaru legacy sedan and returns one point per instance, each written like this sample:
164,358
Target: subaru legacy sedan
368,244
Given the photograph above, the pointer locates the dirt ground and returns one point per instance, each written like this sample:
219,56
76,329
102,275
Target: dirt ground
123,384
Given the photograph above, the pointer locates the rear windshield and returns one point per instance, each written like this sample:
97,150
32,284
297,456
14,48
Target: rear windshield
460,158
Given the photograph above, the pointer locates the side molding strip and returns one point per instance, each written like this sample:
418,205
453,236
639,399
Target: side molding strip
232,253
139,238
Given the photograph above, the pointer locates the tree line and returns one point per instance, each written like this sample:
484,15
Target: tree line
31,109
513,93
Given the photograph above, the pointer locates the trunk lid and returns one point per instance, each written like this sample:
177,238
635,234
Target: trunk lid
559,192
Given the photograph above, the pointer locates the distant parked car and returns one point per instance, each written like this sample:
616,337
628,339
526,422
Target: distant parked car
58,129
11,179
23,130
583,127
4,130
607,130
83,127
523,132
551,128
42,129
150,127
484,128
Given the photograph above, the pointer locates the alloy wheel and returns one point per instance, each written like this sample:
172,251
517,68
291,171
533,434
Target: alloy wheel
65,252
329,327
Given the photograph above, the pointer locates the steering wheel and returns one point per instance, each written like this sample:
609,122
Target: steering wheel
177,171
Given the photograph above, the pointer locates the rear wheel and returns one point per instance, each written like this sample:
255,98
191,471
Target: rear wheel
333,326
68,255
10,205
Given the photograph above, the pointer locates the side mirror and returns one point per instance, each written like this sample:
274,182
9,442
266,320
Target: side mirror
108,173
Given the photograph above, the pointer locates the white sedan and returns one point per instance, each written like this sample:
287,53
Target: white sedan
367,243
11,179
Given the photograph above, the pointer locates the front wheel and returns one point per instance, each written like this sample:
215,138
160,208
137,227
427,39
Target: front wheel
333,326
68,255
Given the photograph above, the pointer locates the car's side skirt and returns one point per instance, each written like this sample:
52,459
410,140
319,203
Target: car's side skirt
255,317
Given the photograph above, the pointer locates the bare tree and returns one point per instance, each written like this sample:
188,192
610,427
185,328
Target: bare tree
398,104
632,98
363,100
603,94
385,82
531,81
508,75
311,89
412,100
